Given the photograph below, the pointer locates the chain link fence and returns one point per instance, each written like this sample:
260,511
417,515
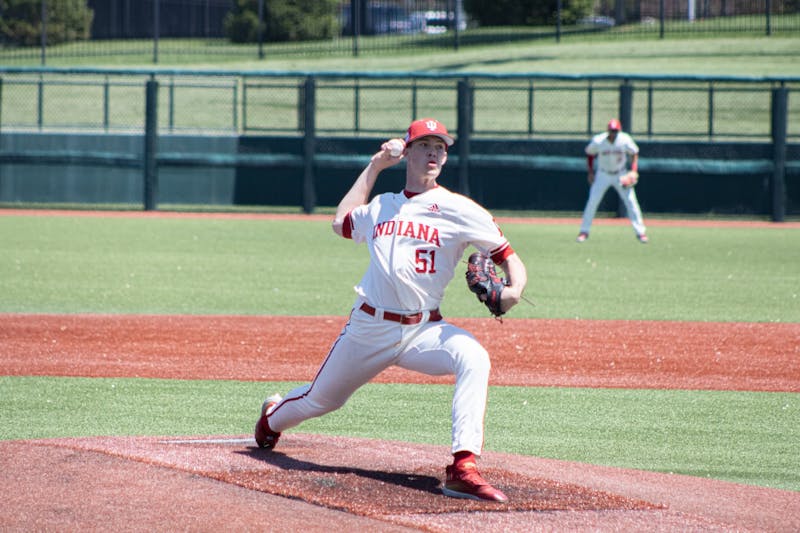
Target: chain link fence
220,129
155,30
356,104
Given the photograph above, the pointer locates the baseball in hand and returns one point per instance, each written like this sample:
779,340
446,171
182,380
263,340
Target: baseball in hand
396,147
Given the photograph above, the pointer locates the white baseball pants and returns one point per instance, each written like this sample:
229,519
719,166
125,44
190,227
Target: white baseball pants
602,181
369,344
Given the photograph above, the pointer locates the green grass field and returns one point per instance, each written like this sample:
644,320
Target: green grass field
739,54
195,266
206,266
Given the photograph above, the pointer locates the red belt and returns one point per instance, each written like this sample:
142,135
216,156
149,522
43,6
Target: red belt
416,318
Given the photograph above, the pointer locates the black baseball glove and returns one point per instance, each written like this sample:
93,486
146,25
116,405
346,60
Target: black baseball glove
482,279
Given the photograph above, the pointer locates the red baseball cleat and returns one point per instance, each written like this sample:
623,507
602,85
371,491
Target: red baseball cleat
582,236
265,437
643,238
466,482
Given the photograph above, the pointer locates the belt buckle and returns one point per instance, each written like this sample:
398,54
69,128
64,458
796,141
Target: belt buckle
416,318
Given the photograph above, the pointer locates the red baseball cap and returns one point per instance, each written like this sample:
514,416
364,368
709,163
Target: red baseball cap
614,124
425,127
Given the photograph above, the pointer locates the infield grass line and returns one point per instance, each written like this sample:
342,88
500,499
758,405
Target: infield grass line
745,437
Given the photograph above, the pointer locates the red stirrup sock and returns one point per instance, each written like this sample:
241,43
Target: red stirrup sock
459,458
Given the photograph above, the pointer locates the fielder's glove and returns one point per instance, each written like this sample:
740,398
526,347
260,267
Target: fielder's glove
630,179
482,279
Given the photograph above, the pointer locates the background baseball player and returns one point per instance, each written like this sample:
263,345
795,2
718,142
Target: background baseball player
416,239
608,153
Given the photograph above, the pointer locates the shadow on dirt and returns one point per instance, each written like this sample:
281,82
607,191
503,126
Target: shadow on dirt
280,460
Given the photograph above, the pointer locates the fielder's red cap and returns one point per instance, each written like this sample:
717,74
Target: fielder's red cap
428,126
614,125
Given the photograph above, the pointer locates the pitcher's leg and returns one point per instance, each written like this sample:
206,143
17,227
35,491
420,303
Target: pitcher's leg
446,349
350,364
469,399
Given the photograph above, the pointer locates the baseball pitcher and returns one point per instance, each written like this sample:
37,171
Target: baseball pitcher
416,240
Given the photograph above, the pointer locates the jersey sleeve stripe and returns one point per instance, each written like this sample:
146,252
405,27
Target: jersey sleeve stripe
501,253
347,227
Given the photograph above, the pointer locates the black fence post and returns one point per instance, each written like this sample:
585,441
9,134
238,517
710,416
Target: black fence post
626,105
43,36
355,23
619,12
457,7
309,144
151,145
40,103
768,15
559,9
626,118
780,108
261,29
156,27
464,130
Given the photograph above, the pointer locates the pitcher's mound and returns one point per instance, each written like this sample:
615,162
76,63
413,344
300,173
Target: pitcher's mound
323,483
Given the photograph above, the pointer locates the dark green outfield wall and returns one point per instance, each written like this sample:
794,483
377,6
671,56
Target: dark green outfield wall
677,177
82,168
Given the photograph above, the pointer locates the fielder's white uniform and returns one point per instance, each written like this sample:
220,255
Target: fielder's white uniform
610,163
416,242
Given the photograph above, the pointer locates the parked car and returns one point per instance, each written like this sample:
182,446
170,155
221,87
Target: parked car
437,21
597,20
377,19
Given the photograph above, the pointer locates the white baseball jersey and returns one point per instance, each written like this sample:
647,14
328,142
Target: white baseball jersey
612,157
416,241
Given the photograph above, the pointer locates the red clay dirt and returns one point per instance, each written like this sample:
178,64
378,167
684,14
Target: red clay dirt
318,483
568,353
